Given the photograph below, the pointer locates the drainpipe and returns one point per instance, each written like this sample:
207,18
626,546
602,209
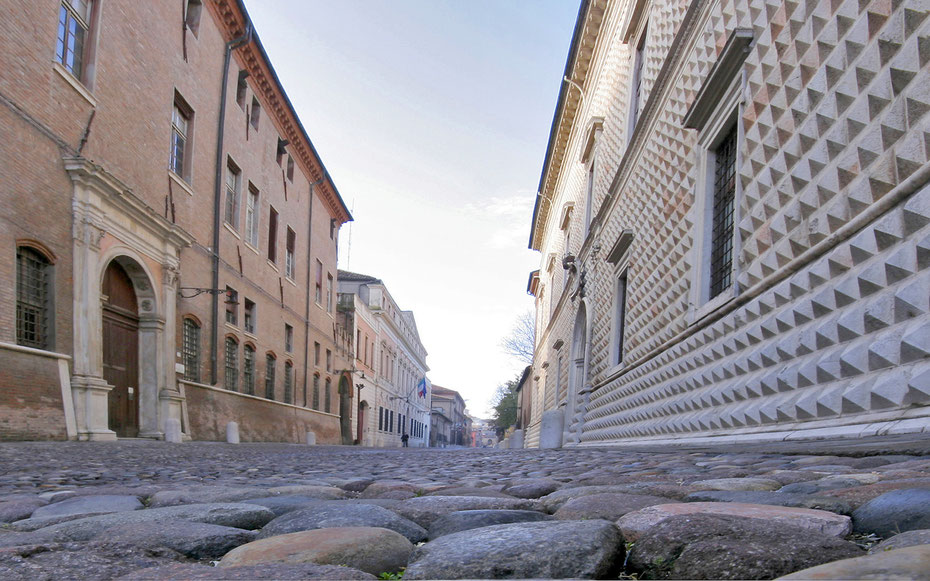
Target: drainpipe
217,193
307,306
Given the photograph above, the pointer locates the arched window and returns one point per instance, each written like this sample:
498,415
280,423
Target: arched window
33,299
190,349
328,396
269,375
248,370
232,364
316,392
288,382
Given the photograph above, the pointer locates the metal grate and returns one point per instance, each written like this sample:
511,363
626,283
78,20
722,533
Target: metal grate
316,392
288,383
721,254
232,364
269,376
327,396
248,371
32,298
190,350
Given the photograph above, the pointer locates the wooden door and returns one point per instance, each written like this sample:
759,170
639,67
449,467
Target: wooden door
121,351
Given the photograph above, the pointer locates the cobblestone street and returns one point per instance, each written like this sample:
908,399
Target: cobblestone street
151,510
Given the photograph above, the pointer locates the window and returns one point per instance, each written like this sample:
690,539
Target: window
251,216
241,87
380,418
558,379
328,396
588,199
391,421
721,238
319,282
288,338
272,234
33,299
269,376
619,317
358,345
73,33
281,151
288,382
329,293
316,392
716,113
316,354
332,229
255,113
249,318
190,349
289,262
232,364
232,306
248,370
636,81
233,185
329,361
181,124
290,169
192,16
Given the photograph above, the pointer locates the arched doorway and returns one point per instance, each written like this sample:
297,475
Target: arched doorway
121,350
362,418
577,377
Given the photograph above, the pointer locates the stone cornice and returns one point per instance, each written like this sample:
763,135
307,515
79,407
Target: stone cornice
233,19
570,102
90,175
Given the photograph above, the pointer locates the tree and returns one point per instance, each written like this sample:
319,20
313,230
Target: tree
504,403
521,342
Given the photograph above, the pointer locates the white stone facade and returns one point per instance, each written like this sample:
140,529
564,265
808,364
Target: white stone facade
824,327
388,375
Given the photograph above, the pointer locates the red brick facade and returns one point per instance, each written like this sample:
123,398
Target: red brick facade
89,178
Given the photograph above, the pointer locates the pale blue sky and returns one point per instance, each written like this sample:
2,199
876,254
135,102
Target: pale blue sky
432,117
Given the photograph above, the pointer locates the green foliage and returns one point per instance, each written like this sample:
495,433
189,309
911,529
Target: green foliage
505,404
389,576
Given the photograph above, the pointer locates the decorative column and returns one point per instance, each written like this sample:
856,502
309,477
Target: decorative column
89,389
171,401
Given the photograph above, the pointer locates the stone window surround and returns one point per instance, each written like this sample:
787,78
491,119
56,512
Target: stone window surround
717,107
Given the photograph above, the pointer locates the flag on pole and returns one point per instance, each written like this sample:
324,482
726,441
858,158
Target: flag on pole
421,388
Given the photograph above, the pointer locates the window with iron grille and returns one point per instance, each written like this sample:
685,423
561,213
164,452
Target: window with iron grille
288,338
269,376
33,299
620,317
316,392
190,350
721,252
328,396
248,370
232,364
73,28
233,185
288,382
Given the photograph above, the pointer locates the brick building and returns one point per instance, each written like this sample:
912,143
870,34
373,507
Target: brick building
389,368
733,224
168,238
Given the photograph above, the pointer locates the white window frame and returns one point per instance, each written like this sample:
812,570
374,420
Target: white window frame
729,111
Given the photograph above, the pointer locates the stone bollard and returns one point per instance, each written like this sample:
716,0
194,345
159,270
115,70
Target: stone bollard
516,440
550,433
311,438
173,430
232,433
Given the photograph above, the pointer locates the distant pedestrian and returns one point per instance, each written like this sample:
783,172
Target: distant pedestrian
404,439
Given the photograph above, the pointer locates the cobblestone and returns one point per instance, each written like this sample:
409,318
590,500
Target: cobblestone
412,482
